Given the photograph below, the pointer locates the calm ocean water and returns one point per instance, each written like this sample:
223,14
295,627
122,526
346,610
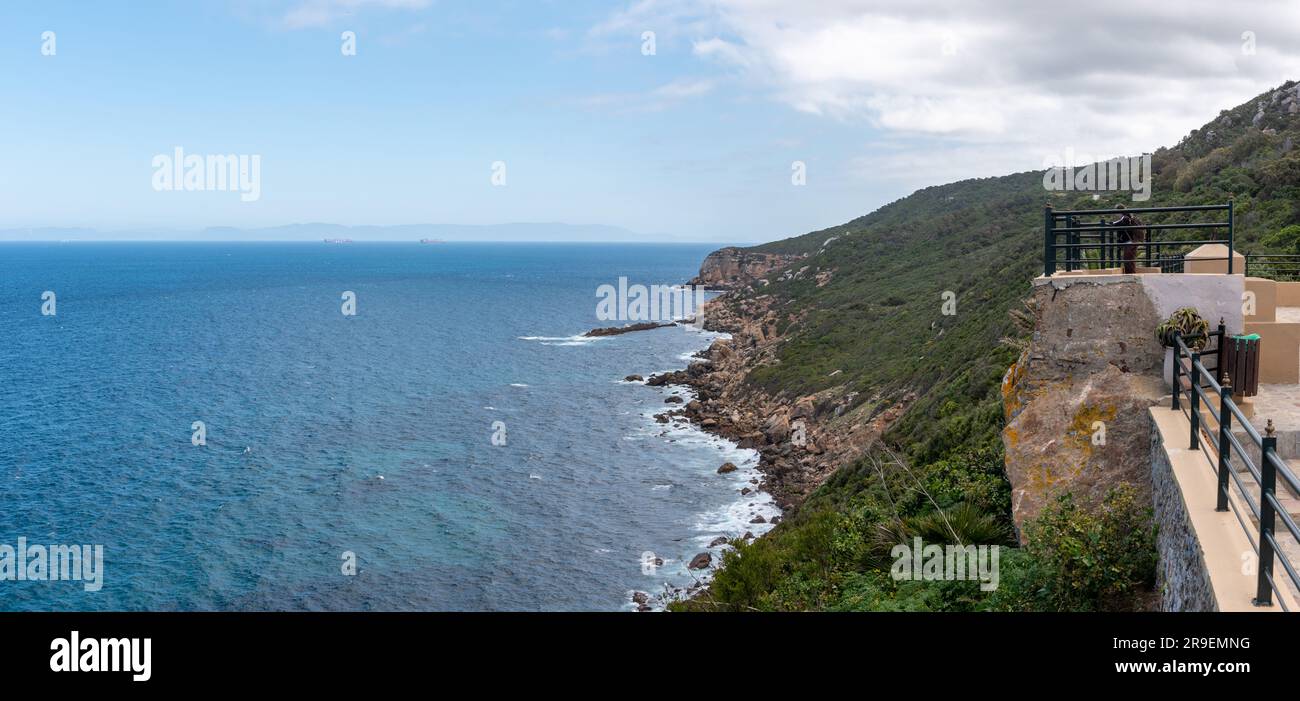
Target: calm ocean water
306,409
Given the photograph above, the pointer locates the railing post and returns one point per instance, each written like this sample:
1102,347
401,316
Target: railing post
1267,514
1069,250
1072,238
1049,241
1231,232
1194,379
1104,235
1225,426
1218,348
1178,375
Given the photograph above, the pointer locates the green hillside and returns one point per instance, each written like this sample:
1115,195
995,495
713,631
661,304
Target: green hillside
879,322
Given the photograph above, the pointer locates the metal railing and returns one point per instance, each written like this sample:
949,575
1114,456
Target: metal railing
1282,267
1070,244
1222,448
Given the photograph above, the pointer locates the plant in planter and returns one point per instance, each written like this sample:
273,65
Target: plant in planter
1188,323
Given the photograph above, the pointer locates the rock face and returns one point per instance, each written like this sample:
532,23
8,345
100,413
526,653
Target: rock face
1076,401
732,268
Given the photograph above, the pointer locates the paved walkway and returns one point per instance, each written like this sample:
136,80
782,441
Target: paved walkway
1281,403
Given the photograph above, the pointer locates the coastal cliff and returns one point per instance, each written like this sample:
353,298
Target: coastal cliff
734,268
930,402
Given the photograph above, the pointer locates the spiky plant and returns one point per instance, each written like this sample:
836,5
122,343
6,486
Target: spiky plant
1186,322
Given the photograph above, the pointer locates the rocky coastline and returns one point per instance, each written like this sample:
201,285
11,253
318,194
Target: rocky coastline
801,440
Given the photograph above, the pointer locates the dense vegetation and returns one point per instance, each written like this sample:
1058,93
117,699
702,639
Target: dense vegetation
939,471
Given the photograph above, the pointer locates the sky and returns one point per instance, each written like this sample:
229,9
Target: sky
497,111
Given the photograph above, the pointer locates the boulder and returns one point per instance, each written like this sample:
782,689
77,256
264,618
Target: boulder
701,561
776,428
1076,401
727,467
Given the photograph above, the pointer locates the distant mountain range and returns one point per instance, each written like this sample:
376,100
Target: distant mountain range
521,232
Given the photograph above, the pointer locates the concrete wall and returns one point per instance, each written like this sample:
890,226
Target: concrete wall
1265,299
1288,294
1214,296
1213,258
1279,351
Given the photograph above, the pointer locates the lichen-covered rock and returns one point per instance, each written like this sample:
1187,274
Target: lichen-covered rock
1076,401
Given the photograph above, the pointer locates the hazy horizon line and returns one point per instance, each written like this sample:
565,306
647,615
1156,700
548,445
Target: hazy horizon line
510,232
414,241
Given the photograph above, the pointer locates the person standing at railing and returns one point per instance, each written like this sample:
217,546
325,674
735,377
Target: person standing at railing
1130,238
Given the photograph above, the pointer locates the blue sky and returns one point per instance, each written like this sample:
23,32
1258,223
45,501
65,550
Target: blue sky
695,141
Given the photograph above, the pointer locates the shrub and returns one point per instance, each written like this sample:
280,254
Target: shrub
1100,559
1286,239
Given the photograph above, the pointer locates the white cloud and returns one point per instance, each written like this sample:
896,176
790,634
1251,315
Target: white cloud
1012,80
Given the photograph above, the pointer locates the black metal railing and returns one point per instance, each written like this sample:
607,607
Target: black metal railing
1070,243
1170,263
1282,267
1222,448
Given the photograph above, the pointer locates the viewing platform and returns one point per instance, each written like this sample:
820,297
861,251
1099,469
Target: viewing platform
1224,461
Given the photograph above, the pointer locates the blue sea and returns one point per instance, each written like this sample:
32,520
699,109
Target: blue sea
335,439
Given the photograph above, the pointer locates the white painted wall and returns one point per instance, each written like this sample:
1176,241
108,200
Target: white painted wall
1213,295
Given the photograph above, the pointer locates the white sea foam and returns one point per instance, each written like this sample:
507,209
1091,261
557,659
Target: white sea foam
731,519
562,340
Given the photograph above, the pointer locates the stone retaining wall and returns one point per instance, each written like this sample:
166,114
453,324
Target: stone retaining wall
1182,579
